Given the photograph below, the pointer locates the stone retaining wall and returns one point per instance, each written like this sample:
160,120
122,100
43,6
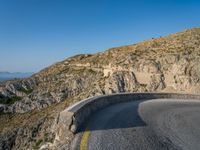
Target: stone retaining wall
72,119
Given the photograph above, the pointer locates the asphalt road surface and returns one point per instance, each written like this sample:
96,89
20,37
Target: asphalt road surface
162,124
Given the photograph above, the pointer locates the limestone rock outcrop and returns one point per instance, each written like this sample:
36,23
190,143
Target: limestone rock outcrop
168,64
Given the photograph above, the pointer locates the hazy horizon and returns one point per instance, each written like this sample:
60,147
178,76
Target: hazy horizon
9,76
36,34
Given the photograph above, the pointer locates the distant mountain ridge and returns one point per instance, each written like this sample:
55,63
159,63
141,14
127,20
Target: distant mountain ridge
4,75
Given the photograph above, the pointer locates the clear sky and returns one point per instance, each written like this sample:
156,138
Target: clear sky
37,33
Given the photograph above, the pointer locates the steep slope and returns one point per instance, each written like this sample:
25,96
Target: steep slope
168,63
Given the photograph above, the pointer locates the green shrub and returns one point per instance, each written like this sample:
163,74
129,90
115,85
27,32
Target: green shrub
9,101
27,91
37,144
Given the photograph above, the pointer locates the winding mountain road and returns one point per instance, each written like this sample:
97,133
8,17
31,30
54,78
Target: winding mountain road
161,124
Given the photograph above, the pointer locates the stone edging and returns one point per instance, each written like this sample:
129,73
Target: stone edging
72,118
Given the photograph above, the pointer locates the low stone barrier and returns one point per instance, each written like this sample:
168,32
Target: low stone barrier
73,118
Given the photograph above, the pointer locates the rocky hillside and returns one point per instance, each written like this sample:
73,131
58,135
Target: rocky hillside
168,64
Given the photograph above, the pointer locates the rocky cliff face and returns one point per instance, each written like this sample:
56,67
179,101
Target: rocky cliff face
168,63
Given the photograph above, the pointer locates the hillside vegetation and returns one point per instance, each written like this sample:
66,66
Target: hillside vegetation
166,64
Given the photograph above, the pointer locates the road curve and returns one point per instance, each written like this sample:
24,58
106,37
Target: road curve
161,124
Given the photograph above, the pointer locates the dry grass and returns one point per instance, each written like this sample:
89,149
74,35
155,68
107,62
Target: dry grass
11,121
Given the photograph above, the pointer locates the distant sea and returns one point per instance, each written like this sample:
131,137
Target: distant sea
9,76
4,79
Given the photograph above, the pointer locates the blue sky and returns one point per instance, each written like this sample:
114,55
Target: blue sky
37,33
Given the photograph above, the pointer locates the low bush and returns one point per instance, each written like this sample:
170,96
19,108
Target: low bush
9,100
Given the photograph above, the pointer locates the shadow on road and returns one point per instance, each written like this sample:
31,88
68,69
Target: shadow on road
119,116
